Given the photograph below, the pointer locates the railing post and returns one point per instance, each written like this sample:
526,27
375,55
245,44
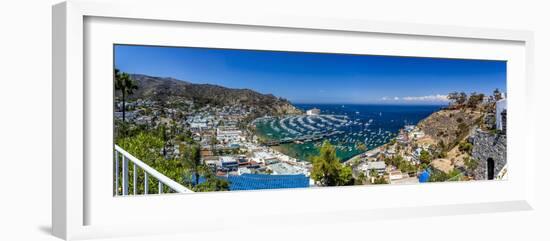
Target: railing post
135,179
116,172
124,176
146,185
147,171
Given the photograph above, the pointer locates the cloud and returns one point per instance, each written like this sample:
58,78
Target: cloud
426,98
430,98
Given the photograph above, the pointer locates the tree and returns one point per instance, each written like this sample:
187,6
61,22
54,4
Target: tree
164,137
465,147
126,86
211,184
454,175
380,180
192,161
453,96
438,176
457,98
497,95
475,99
346,176
425,156
213,142
361,178
147,146
327,169
373,173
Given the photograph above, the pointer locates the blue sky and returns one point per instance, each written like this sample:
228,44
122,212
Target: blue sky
318,77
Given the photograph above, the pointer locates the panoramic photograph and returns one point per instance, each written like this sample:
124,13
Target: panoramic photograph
192,119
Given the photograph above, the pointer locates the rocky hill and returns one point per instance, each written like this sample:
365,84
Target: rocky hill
158,88
449,127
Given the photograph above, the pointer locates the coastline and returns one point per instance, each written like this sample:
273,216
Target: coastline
368,125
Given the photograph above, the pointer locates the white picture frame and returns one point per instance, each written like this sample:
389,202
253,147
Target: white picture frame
82,210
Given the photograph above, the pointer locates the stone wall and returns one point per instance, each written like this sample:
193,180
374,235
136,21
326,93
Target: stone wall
488,145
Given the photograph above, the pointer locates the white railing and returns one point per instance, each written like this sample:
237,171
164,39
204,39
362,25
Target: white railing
147,171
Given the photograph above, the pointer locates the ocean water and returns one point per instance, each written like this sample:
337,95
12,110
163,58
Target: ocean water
350,128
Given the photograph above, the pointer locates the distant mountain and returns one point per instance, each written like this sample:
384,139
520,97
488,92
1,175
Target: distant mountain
159,88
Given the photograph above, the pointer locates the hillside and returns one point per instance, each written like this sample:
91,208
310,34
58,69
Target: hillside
449,127
158,88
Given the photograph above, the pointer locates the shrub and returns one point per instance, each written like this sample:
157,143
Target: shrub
465,147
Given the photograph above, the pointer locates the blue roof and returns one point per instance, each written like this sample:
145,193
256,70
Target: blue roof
424,176
265,181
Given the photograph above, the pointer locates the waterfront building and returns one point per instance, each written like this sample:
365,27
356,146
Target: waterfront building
313,111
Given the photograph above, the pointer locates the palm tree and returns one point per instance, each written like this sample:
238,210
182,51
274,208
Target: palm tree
164,136
192,161
126,86
213,142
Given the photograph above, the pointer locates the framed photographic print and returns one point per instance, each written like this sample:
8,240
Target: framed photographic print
248,119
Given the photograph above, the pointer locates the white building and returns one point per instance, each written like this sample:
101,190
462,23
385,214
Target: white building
379,166
282,168
264,157
416,134
396,175
313,111
229,135
229,162
213,162
244,170
409,128
501,114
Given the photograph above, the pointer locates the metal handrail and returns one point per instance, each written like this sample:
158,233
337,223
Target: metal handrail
163,180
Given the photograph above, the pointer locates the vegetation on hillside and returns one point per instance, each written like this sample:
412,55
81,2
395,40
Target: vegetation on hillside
450,129
163,89
327,169
149,145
